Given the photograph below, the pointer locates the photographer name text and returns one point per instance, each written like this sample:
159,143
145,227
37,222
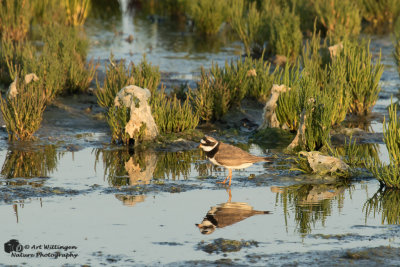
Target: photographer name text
63,252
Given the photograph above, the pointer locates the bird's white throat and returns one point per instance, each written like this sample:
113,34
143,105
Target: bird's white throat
208,148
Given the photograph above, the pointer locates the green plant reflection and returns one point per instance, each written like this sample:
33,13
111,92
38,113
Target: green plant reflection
38,162
310,203
123,167
385,202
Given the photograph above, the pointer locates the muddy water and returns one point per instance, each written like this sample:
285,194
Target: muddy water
113,206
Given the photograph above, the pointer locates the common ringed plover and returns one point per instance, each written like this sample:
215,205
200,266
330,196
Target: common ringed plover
228,156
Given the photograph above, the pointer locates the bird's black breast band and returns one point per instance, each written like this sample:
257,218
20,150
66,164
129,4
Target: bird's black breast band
211,154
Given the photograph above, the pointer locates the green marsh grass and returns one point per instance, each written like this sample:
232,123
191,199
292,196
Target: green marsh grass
60,63
341,19
320,102
175,8
221,89
77,11
266,25
248,24
354,154
362,76
327,88
173,115
284,34
117,118
381,15
211,98
208,15
24,112
388,175
170,113
15,18
396,52
68,46
118,75
391,134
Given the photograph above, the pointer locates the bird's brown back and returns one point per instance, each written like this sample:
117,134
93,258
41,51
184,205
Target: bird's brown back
231,213
233,156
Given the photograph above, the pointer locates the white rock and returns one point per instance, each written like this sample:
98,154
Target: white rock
12,89
324,164
136,99
31,77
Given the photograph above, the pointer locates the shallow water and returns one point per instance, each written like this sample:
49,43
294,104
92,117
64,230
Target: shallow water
151,221
169,45
123,207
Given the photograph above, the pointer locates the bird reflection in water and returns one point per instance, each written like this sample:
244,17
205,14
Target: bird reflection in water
226,214
130,201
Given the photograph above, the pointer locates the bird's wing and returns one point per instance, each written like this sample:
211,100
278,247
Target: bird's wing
232,156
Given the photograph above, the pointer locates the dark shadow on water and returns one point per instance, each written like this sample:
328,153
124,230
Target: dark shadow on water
226,214
386,203
310,203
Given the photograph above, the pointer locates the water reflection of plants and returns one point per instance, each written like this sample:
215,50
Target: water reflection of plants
310,203
39,162
385,202
123,167
174,165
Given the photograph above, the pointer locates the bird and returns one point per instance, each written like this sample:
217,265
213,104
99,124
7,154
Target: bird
228,156
226,214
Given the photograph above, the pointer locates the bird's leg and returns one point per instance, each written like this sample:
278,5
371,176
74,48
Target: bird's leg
230,194
229,176
224,181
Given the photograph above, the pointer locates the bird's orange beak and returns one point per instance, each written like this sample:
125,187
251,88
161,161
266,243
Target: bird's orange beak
199,146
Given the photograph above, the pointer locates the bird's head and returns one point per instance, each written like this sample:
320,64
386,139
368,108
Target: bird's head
207,143
206,227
